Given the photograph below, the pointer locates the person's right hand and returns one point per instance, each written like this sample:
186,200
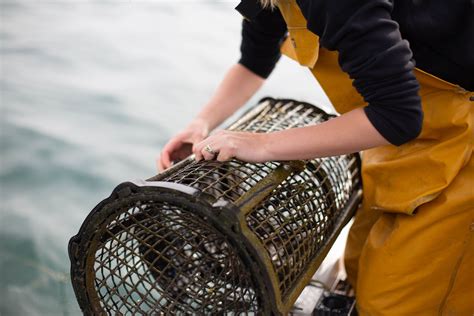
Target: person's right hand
180,146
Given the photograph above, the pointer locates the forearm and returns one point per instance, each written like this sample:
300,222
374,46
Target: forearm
348,133
237,87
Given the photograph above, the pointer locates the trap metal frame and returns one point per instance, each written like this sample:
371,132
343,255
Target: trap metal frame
214,237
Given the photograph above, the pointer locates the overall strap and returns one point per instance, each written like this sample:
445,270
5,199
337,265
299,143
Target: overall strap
301,44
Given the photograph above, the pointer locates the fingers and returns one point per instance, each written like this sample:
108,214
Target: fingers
199,151
196,139
168,149
225,146
224,155
222,152
212,140
178,148
209,156
164,160
198,148
159,164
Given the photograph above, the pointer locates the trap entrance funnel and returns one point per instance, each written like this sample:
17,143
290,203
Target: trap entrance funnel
217,238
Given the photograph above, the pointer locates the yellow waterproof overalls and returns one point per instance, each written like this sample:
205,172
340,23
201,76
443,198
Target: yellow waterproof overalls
410,250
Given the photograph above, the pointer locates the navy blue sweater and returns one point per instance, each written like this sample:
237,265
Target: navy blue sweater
378,42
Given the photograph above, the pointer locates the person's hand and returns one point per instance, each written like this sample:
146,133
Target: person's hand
180,146
246,146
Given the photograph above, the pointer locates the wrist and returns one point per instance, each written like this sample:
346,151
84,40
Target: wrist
266,144
206,119
201,121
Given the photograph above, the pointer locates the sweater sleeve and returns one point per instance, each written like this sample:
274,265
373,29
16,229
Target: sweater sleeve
373,53
261,40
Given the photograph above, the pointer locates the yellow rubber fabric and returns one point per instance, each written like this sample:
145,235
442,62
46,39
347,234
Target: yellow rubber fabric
410,249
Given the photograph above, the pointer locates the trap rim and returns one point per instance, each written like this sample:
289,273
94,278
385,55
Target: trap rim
80,245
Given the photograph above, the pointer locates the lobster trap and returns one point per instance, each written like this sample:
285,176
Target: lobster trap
217,238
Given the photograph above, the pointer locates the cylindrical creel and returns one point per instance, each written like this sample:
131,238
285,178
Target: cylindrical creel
217,238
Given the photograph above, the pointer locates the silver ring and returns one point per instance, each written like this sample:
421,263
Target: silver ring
209,149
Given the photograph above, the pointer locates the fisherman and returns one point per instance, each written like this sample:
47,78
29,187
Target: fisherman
410,250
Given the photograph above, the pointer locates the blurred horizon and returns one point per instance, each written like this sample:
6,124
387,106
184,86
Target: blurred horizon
90,93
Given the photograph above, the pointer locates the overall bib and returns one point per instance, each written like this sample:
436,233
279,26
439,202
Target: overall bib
410,250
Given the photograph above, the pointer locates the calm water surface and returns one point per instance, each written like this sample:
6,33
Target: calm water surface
90,92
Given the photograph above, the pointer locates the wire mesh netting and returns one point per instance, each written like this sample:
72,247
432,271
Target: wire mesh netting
208,237
153,257
295,222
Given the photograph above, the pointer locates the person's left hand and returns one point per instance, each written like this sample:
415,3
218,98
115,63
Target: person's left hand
246,146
